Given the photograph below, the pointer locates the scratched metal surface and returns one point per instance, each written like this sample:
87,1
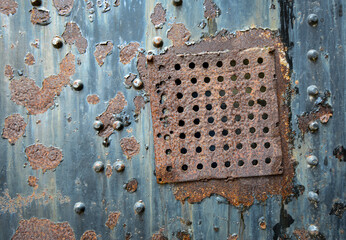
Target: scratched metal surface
69,125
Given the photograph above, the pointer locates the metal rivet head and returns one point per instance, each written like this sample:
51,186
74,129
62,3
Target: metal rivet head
312,160
313,197
313,126
117,125
313,230
177,2
262,223
137,83
77,85
98,125
106,142
312,55
150,58
119,166
36,3
79,207
57,42
312,90
139,207
157,42
313,20
98,166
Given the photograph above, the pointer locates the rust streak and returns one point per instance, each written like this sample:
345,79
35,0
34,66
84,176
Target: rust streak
8,7
39,16
64,7
130,147
14,128
93,99
42,157
109,171
72,35
112,220
102,50
158,17
29,59
178,34
128,52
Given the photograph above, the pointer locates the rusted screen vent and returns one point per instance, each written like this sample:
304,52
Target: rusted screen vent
215,115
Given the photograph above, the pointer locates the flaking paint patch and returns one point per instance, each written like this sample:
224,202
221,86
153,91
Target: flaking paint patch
42,157
158,17
32,181
29,59
323,113
128,79
130,147
159,235
73,35
8,7
9,72
39,16
89,235
64,7
93,99
14,128
112,220
139,104
211,10
128,52
102,50
178,34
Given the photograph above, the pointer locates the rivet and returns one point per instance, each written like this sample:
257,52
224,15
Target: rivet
79,207
106,142
313,230
177,2
98,166
313,126
312,90
119,166
150,58
139,207
262,223
36,3
313,20
117,125
157,42
57,42
313,197
77,85
312,55
98,125
312,160
137,83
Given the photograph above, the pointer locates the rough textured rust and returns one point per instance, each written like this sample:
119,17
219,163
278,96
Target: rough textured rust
112,219
93,99
8,7
211,10
128,79
43,229
109,170
338,209
139,104
89,235
130,147
301,234
322,113
183,236
32,181
24,91
14,128
240,190
72,35
158,17
115,106
131,186
178,34
42,157
159,235
29,59
9,72
128,52
39,16
64,7
340,153
102,50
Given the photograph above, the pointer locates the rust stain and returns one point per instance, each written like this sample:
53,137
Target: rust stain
115,106
340,152
64,7
43,229
322,113
183,236
130,147
24,90
128,79
42,157
29,59
14,128
39,16
178,34
131,186
159,235
32,181
158,17
109,171
89,235
102,50
139,104
112,220
73,35
9,72
211,10
93,99
301,234
8,7
338,209
128,52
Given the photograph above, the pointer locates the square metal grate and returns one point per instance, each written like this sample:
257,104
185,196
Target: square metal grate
215,115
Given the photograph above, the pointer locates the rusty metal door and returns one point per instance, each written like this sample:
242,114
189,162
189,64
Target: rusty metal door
199,119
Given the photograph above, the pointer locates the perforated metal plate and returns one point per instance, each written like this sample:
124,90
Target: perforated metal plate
215,115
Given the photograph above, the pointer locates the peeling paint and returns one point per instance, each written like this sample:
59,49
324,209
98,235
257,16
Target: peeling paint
322,113
178,34
130,147
158,17
128,79
73,35
102,50
128,52
40,16
14,128
93,99
112,220
139,104
8,7
42,157
64,7
211,10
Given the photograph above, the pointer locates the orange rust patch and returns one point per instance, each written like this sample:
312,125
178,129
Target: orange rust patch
32,181
24,91
211,10
72,35
128,79
178,34
9,72
43,229
323,113
159,235
130,147
39,16
64,7
139,104
131,186
102,50
115,106
29,59
8,7
128,52
112,220
301,234
109,171
42,157
158,17
14,128
89,235
183,236
93,99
